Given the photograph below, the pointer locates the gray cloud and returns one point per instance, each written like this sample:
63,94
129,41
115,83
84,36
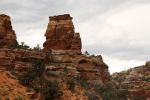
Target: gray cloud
104,24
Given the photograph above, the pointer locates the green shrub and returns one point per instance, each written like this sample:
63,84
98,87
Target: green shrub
37,48
91,96
84,84
27,78
49,89
38,67
66,70
22,46
71,82
32,73
34,78
107,92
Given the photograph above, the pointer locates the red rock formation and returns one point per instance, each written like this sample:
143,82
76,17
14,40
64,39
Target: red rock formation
60,34
7,34
135,80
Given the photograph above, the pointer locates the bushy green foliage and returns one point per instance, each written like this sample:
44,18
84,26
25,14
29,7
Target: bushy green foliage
49,89
27,78
37,48
71,82
66,70
84,84
38,67
22,46
30,75
146,79
91,96
107,92
34,78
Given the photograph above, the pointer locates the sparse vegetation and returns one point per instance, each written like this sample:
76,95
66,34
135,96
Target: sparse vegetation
87,53
91,96
20,46
84,84
65,70
49,89
71,82
107,92
37,48
33,78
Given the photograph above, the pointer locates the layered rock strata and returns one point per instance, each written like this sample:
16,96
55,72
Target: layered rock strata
7,34
60,35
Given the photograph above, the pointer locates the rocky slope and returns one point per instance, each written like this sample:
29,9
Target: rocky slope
59,71
136,81
10,87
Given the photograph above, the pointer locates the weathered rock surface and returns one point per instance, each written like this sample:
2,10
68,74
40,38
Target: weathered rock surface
63,52
7,34
60,35
136,81
19,59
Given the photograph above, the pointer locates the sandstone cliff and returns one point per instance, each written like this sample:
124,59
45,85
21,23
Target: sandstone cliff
60,67
7,34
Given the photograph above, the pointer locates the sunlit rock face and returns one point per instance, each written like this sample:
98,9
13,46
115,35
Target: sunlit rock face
7,34
60,35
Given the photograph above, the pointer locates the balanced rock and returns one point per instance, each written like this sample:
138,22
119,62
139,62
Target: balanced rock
60,34
7,34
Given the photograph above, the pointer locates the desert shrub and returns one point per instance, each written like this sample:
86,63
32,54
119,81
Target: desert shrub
34,78
22,46
107,92
27,78
49,89
71,82
32,73
38,67
87,53
65,70
84,84
122,94
37,48
91,96
146,79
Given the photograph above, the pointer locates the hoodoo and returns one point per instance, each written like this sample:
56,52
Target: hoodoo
7,34
61,36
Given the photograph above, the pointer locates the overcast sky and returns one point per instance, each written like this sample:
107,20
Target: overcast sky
119,30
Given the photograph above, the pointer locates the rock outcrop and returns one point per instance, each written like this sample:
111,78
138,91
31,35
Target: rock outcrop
136,81
7,34
61,60
60,35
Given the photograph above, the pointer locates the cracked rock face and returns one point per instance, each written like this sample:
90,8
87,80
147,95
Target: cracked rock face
60,34
7,34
